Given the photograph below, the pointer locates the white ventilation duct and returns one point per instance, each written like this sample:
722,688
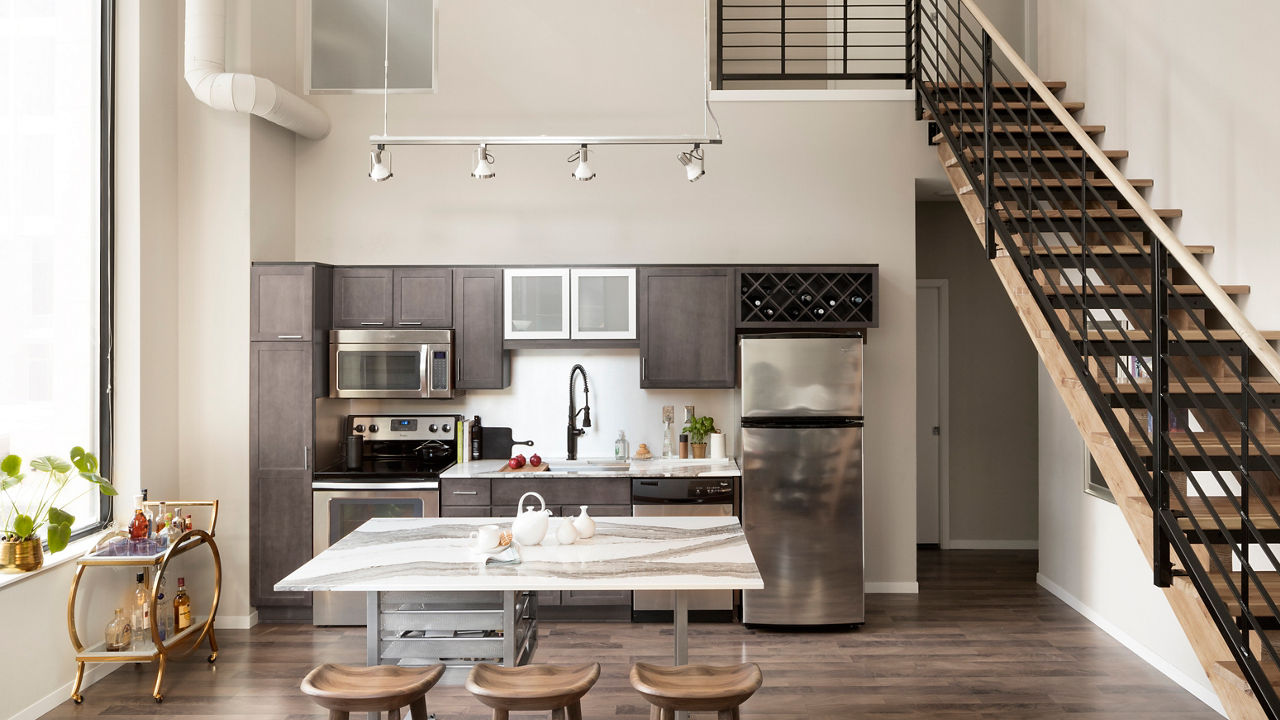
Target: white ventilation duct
205,60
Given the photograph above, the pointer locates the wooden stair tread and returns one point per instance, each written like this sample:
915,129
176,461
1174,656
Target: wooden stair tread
1125,249
1001,105
1189,335
1229,671
971,128
1136,290
1209,446
1074,182
1069,154
1195,387
1075,213
1052,85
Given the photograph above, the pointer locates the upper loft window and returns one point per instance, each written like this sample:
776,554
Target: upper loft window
51,240
812,44
349,39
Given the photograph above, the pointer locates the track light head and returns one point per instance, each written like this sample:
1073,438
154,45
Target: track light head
692,162
484,164
380,164
583,171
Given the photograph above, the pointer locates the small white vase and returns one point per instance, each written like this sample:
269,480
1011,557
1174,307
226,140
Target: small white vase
566,534
585,526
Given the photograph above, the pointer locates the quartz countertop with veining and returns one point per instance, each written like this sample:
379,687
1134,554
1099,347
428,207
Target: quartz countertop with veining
437,554
599,467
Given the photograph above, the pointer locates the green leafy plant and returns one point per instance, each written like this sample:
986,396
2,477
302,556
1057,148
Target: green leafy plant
43,509
699,428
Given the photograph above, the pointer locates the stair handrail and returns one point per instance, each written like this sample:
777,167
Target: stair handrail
1222,302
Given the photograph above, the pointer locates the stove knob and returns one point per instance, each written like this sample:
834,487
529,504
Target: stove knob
446,428
432,427
373,428
359,428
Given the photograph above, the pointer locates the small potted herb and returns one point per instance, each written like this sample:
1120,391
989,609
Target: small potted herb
698,429
20,547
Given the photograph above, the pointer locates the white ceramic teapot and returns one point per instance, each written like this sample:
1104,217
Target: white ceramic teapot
530,525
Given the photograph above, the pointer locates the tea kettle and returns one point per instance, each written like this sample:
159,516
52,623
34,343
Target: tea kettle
530,526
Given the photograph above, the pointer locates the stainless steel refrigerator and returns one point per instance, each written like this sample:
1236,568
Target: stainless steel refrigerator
802,478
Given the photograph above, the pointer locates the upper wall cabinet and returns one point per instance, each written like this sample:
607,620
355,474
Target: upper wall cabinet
482,363
535,304
686,328
383,297
289,301
603,304
564,304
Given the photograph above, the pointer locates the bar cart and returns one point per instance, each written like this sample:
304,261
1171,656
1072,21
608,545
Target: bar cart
182,642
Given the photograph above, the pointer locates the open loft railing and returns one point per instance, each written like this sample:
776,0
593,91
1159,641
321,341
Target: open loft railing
1185,384
813,40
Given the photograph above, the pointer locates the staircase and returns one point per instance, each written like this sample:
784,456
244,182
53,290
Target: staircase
1174,391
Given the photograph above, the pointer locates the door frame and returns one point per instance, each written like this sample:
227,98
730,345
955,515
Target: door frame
944,407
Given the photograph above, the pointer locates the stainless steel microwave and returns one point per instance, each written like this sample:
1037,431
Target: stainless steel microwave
391,363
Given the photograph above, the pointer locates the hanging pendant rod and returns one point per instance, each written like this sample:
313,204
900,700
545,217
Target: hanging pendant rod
541,140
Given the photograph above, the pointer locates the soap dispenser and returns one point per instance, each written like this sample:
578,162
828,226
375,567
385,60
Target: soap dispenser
621,448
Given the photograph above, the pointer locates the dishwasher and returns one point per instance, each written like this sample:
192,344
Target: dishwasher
682,497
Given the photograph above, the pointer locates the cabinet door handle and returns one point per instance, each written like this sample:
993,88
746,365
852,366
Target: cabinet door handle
306,459
464,492
642,375
371,323
288,337
406,322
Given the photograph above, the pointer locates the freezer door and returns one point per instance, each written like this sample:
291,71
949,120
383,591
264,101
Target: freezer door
802,513
801,376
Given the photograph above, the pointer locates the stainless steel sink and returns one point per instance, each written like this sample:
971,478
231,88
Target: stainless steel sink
577,467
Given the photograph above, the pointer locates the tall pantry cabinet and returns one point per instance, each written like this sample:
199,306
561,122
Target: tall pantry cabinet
290,316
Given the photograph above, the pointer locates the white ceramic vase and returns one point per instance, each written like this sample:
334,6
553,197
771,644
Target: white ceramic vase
585,526
566,534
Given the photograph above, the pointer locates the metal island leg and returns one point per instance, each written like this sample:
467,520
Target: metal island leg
680,616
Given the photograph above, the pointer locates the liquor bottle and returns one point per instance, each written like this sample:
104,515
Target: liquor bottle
146,511
175,529
159,526
141,615
190,525
119,633
181,608
476,431
138,528
162,613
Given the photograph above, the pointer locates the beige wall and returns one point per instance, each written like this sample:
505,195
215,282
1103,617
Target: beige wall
992,411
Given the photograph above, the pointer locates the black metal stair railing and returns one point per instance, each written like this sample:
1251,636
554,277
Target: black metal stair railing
1188,403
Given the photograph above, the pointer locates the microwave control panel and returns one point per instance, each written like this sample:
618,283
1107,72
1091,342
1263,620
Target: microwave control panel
439,370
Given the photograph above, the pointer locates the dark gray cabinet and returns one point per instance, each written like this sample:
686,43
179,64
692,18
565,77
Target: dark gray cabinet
596,597
285,379
362,297
422,297
686,326
288,301
482,364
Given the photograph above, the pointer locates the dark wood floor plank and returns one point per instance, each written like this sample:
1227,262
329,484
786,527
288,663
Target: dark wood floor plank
981,641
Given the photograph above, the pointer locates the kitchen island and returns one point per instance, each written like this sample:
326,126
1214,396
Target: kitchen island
405,564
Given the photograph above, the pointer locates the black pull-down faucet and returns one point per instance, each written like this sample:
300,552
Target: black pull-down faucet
574,431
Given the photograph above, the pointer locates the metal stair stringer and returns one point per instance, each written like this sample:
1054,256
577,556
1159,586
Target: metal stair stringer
1210,647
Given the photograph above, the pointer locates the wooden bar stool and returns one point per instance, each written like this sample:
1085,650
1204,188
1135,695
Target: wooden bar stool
558,688
344,689
721,688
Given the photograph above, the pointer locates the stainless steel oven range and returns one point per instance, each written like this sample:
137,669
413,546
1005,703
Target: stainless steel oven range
396,475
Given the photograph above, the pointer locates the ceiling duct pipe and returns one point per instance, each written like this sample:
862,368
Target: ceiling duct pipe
205,53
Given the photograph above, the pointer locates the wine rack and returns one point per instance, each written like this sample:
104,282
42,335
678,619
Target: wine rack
828,297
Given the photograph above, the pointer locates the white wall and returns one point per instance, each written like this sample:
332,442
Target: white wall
1088,556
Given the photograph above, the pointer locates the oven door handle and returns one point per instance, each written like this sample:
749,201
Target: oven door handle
356,486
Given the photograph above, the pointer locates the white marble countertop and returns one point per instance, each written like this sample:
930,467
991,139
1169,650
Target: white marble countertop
561,468
436,554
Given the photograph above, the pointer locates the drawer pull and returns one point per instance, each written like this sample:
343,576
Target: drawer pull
464,492
288,337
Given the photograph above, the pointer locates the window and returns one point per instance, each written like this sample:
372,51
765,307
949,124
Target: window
54,239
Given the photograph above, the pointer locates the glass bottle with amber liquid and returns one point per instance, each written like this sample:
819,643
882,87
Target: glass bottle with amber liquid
181,608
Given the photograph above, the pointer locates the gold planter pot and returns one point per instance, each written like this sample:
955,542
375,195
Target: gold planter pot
699,449
21,556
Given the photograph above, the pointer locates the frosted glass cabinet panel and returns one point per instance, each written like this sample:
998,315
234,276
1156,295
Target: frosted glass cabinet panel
536,303
603,303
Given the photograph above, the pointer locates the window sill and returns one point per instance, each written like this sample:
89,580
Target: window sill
849,95
70,553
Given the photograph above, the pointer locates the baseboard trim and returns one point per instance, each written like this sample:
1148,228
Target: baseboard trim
880,588
93,672
994,545
237,622
1205,693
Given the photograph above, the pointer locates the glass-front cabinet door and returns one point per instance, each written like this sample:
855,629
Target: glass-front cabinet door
603,304
536,304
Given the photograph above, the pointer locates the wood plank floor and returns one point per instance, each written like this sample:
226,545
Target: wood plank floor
982,640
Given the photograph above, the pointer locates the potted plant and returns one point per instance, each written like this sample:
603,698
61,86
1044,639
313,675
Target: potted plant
698,429
20,548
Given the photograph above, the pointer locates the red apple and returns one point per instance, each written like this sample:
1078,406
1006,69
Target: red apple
522,460
514,463
535,460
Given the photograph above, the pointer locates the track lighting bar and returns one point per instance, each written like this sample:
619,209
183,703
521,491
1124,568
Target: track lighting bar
540,140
